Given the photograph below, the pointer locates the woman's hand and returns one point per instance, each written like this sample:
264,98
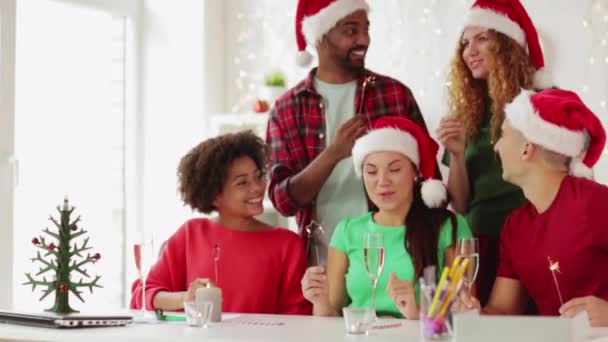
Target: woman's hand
198,283
402,293
315,287
452,134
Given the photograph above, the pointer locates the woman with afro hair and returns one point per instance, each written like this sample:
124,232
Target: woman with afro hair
259,267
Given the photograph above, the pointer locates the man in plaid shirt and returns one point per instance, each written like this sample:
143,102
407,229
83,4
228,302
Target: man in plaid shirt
313,126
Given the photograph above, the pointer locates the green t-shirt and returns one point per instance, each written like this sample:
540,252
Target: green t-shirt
491,199
348,238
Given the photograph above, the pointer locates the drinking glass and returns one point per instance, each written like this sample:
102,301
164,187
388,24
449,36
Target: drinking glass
469,249
144,259
373,252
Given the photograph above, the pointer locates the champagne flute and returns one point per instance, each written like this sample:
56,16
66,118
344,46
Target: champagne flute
373,252
469,249
144,258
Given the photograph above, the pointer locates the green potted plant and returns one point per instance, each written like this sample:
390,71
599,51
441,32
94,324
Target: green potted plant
275,84
276,79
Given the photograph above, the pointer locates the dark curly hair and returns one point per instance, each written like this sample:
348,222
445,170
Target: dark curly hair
203,171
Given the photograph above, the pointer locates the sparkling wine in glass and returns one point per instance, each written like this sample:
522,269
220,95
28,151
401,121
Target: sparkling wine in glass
144,259
469,249
373,252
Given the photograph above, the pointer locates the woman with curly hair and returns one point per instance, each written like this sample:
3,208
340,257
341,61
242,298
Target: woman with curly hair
260,266
498,54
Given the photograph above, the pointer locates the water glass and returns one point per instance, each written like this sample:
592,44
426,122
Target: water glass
198,315
358,321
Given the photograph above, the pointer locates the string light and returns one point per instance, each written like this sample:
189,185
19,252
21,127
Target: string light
264,41
596,86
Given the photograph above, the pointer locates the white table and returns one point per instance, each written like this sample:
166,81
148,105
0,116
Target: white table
235,328
243,328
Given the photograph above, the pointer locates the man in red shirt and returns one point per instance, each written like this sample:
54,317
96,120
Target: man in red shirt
555,248
313,126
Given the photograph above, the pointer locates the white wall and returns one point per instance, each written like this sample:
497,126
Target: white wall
214,57
7,123
172,104
414,41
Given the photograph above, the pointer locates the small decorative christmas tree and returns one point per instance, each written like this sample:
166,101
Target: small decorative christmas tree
60,263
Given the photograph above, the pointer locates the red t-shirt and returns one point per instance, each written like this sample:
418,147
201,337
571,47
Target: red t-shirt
572,231
259,272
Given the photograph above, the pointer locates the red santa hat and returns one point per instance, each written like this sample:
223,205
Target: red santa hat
510,18
314,18
398,134
559,121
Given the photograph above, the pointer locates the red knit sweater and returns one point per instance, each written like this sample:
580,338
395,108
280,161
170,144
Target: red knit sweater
259,272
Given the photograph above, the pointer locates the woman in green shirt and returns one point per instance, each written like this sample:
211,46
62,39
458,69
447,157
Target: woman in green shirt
394,159
496,57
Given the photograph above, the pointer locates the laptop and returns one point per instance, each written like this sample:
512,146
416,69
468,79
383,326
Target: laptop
50,320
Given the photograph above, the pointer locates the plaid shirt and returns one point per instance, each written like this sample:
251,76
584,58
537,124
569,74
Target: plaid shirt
296,132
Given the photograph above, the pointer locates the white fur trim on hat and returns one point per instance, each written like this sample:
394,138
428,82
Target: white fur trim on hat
493,20
579,169
434,194
385,139
524,117
315,26
303,58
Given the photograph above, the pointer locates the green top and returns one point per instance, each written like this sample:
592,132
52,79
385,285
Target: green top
491,199
348,238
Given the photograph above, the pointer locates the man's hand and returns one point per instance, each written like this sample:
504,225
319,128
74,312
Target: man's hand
466,303
342,144
597,309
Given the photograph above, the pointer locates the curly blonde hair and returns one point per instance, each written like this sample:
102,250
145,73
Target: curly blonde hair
511,69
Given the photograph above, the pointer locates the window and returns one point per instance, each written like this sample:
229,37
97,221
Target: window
7,67
70,129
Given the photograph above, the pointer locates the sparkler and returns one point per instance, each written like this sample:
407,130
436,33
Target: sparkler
316,235
216,260
554,267
369,80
